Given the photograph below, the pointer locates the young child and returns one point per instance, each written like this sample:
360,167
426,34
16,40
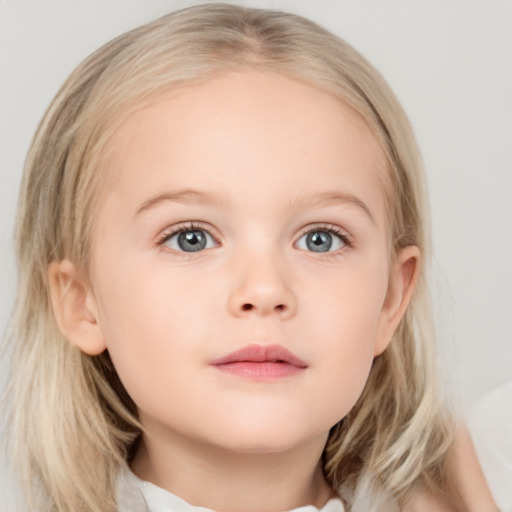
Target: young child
222,238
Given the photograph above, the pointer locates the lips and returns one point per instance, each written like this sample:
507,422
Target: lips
261,362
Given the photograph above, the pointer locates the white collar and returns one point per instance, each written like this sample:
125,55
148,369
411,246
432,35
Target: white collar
135,495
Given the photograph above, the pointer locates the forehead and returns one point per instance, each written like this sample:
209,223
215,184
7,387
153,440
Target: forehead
249,131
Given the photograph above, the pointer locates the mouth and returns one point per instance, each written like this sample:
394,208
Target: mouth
261,362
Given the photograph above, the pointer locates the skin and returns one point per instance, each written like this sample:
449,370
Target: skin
269,159
467,489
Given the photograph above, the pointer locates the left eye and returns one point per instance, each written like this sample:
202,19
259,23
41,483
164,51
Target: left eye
321,241
190,240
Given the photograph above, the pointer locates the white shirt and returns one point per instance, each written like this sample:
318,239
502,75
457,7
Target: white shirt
135,495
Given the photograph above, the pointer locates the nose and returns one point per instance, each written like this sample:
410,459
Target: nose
262,288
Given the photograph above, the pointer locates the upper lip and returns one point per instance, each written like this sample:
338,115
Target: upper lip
261,354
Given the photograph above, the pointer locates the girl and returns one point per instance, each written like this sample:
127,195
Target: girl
221,240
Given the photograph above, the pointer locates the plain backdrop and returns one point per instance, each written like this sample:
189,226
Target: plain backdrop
449,63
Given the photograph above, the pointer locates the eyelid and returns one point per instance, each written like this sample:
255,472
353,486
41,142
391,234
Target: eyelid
329,228
189,225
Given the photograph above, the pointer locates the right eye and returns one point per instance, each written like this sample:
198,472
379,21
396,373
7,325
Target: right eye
189,240
323,240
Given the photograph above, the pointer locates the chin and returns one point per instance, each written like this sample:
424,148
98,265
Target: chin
264,439
261,447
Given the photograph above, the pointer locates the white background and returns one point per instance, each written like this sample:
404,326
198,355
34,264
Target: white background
449,62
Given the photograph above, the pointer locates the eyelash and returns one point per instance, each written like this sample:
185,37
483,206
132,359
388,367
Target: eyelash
185,226
195,225
328,228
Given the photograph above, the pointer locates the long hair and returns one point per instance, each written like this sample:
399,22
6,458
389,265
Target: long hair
71,423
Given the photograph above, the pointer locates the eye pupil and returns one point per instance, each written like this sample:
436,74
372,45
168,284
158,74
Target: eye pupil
191,241
319,241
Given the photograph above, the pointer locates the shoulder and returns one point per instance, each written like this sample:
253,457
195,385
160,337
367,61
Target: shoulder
426,501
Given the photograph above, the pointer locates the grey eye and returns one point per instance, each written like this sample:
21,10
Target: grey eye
320,241
190,240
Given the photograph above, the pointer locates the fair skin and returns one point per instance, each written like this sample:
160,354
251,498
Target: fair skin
467,490
279,188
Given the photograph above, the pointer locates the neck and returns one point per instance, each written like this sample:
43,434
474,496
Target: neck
222,480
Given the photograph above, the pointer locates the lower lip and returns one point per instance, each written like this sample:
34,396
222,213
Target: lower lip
263,371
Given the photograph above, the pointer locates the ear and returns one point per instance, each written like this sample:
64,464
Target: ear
74,307
402,280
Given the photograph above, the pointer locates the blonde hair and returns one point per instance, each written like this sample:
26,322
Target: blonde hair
72,424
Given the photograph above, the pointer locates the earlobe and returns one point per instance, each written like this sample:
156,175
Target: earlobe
403,278
74,307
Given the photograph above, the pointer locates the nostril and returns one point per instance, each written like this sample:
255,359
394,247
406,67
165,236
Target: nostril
250,307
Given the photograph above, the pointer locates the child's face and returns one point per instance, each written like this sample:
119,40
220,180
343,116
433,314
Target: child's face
245,211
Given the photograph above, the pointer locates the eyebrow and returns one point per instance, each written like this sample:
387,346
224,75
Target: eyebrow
208,198
333,198
181,196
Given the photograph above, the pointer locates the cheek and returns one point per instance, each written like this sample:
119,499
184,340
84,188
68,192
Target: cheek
345,327
348,304
159,326
139,317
